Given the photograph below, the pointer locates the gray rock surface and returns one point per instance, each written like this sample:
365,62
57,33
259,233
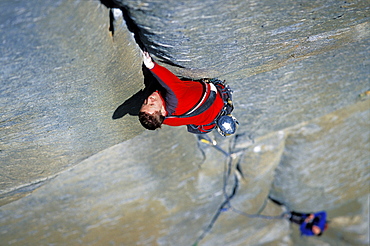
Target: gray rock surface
297,70
60,87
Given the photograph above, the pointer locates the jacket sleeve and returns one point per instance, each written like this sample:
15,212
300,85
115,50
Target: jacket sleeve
321,223
322,216
304,230
165,77
170,83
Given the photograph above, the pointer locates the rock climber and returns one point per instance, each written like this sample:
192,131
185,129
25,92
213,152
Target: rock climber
312,224
201,105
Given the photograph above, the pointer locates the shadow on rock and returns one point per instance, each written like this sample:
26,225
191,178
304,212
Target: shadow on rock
132,105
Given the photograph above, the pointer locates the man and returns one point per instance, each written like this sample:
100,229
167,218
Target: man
313,224
200,105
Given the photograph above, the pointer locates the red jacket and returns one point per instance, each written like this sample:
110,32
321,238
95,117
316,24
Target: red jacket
182,96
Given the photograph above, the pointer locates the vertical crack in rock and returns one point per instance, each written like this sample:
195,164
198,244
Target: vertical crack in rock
225,205
229,172
139,34
130,23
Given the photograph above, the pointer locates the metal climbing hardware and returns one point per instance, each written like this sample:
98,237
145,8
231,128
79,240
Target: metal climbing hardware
226,123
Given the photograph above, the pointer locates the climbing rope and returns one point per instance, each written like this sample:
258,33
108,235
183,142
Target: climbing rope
226,204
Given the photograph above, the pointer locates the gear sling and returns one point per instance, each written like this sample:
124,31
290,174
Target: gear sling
216,85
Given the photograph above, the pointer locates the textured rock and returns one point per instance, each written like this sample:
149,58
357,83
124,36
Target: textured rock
62,78
133,193
297,70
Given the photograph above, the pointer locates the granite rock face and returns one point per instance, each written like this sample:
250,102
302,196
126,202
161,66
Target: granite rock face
287,61
60,88
300,74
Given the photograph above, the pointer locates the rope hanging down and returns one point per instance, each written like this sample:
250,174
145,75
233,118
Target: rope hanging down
226,204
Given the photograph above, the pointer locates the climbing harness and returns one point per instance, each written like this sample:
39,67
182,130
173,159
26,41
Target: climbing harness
226,125
224,122
203,104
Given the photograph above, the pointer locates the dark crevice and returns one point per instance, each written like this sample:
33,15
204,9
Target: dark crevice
239,169
111,22
130,23
139,33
